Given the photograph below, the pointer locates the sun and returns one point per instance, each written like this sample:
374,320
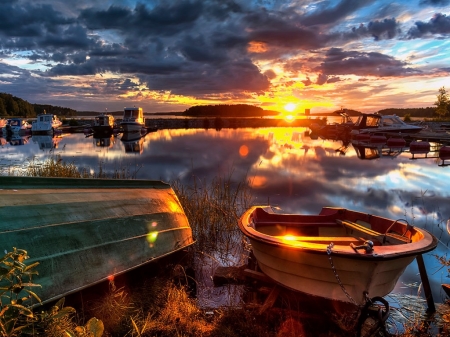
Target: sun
290,107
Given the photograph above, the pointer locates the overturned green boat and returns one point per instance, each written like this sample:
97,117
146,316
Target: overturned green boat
84,231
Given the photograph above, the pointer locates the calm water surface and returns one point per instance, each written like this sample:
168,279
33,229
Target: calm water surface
286,167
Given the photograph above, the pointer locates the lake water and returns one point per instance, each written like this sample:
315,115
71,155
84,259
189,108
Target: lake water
286,168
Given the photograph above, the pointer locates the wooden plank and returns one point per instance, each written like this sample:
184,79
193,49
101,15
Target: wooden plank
257,275
362,231
270,300
425,283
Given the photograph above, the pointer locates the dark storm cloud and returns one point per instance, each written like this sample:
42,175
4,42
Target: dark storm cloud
206,79
339,62
165,19
379,30
29,21
282,30
438,25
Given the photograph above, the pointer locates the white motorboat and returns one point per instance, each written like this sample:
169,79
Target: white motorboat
375,122
46,123
16,126
133,120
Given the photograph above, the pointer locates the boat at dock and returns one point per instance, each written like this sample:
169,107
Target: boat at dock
133,120
85,231
45,123
339,254
375,122
104,124
16,126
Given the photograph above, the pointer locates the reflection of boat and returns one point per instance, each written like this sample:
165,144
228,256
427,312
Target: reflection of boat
366,152
336,250
103,142
133,120
16,125
103,123
45,123
334,130
368,123
133,142
84,231
45,142
17,139
369,151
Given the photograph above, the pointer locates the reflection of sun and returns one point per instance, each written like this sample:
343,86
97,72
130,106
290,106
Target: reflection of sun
290,107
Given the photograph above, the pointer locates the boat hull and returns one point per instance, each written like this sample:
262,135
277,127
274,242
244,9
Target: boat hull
313,273
325,254
131,127
84,231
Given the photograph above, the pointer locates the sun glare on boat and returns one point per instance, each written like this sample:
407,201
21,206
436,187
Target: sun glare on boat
151,237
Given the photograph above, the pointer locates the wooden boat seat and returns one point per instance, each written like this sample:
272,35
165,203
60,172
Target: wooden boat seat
344,240
367,233
295,224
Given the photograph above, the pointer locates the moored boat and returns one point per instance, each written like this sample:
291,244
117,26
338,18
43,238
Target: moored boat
84,231
336,250
104,124
133,120
45,123
16,126
375,122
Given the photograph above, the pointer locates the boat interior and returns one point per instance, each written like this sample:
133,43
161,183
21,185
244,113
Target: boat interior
334,228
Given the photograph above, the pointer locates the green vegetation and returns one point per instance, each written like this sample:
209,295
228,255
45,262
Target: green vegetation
225,110
17,317
213,209
442,103
55,166
16,107
13,106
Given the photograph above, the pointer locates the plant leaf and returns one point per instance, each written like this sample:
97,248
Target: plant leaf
95,326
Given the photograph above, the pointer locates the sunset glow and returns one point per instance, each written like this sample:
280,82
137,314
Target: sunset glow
290,107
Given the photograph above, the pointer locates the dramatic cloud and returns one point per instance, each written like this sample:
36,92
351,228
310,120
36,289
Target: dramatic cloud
438,25
228,51
340,62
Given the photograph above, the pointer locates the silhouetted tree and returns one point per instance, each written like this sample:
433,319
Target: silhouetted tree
442,103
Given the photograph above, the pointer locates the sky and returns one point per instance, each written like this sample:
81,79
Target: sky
169,55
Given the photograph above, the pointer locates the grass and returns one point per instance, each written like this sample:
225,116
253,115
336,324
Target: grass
162,306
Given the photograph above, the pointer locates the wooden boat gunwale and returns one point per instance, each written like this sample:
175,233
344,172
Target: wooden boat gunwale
390,252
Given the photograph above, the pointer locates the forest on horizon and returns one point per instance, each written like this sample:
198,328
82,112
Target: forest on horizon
14,106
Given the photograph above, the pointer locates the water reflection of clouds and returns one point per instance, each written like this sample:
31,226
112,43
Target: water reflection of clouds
286,168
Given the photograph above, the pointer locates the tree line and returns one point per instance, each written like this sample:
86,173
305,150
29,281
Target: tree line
227,110
12,106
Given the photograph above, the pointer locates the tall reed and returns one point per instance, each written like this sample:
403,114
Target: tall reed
213,209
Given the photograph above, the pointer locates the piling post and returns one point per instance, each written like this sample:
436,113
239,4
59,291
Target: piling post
426,284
